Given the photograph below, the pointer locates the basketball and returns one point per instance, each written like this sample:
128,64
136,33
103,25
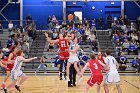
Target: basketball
70,17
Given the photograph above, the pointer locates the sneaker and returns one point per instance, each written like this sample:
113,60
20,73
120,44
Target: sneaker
67,78
70,85
61,78
35,73
74,85
3,85
5,90
18,88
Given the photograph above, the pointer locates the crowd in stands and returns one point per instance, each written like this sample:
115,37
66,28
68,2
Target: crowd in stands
126,38
84,30
19,36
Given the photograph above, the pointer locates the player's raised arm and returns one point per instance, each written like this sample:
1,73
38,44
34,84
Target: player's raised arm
49,39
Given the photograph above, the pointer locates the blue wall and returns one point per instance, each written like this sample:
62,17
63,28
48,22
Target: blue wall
41,9
132,10
11,12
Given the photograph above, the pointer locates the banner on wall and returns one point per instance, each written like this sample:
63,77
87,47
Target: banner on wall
78,14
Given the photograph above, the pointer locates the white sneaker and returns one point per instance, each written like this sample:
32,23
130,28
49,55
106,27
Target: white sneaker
67,78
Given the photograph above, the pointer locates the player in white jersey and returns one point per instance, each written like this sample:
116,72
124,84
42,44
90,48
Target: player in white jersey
16,71
112,74
73,57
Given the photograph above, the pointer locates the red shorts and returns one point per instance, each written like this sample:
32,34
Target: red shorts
64,55
95,79
9,67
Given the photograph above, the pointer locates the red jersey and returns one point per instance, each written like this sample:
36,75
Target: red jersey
13,58
95,67
101,59
63,44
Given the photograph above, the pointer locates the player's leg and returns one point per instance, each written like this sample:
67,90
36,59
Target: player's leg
67,70
119,88
98,88
76,68
61,67
117,81
106,88
23,78
109,79
86,88
5,79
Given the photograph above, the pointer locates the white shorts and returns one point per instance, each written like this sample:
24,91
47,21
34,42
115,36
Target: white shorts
112,77
15,74
73,59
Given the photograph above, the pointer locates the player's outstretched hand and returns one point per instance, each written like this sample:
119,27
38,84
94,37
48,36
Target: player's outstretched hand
35,58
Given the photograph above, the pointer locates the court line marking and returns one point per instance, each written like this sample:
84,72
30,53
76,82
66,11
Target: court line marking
132,84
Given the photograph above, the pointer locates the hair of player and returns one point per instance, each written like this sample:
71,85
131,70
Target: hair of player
19,52
13,48
108,52
92,56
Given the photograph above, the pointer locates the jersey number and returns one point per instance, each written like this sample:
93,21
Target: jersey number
95,65
63,45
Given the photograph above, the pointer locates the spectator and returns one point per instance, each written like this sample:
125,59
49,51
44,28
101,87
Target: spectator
93,24
82,63
57,61
5,51
26,37
125,45
54,20
25,48
10,26
135,62
50,49
122,62
10,42
109,19
84,57
125,19
92,37
1,28
49,19
133,48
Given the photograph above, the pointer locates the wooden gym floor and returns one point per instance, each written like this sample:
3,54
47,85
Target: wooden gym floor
130,83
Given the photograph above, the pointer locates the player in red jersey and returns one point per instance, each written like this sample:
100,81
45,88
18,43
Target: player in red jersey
10,64
102,59
96,73
63,48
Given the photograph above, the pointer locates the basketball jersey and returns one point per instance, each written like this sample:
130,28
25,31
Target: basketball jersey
95,67
17,64
101,59
13,58
72,45
63,44
111,61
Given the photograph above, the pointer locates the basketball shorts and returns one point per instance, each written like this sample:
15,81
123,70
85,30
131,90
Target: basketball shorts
73,59
95,79
112,77
64,55
9,67
15,74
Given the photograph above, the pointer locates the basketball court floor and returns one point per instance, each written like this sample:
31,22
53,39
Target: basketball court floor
130,83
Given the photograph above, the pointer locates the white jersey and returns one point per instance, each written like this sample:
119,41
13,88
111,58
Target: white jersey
17,64
71,47
111,61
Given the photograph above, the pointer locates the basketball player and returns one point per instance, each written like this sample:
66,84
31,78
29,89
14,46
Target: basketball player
63,48
112,75
10,64
96,73
73,58
16,71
